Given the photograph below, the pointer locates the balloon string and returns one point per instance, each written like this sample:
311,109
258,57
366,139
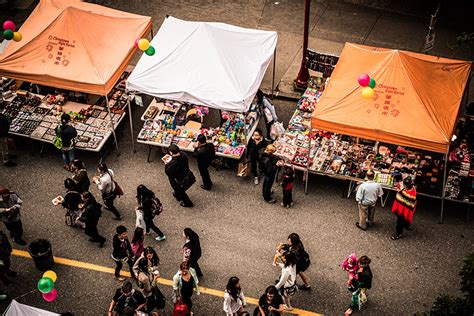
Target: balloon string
18,297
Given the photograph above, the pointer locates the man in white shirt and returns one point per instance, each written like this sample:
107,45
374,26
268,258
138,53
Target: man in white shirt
367,195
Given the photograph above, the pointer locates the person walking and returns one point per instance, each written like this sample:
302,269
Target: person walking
4,128
91,214
10,206
185,282
80,176
255,145
367,195
137,243
122,252
269,164
5,254
72,203
359,284
145,198
302,259
270,303
404,207
105,184
126,299
268,110
67,134
287,283
178,173
205,153
234,299
192,249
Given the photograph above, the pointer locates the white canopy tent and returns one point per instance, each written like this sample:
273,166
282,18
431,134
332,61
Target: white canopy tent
18,309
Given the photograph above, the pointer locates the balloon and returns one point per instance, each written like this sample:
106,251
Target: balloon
8,35
143,44
50,274
136,42
9,25
364,80
150,51
45,285
368,92
372,83
51,296
17,36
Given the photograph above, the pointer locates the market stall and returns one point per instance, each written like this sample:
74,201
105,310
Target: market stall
59,50
202,65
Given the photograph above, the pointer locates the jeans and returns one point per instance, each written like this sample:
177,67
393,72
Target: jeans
68,156
109,203
151,225
254,166
267,188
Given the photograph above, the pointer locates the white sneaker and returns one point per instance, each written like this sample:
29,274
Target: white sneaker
160,238
255,180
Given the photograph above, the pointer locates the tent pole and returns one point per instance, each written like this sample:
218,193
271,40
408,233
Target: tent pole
444,188
273,73
131,122
112,124
309,157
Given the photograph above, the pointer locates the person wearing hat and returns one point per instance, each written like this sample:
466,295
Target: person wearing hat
67,133
177,170
205,154
404,207
269,164
10,206
366,196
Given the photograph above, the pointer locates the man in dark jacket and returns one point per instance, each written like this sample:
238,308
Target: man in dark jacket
4,128
10,206
122,252
205,154
92,213
269,164
5,253
67,134
177,171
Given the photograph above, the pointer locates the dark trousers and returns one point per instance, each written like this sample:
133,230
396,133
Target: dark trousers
93,233
195,266
206,178
119,265
287,197
187,301
267,188
181,195
109,203
151,225
401,224
4,270
16,229
254,166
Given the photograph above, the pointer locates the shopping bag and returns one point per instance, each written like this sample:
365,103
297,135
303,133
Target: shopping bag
180,309
277,130
118,189
140,221
243,169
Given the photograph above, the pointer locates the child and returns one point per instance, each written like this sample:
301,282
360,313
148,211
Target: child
137,243
280,250
350,265
287,184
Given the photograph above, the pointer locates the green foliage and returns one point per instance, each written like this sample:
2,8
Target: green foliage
467,279
446,305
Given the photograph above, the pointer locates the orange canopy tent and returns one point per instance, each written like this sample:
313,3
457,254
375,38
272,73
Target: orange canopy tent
416,101
74,45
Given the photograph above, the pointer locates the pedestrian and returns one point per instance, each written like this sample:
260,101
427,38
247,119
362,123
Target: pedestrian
105,184
367,195
72,202
80,176
302,259
404,207
256,144
268,110
192,249
122,252
146,199
5,254
185,282
350,265
205,153
91,214
364,277
269,163
4,128
287,282
67,134
137,243
270,303
126,298
179,175
287,185
234,299
10,207
150,257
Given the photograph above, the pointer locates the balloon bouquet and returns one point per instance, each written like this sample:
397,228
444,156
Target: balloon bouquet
368,84
144,45
9,31
46,286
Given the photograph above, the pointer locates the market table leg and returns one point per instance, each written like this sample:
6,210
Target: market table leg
149,153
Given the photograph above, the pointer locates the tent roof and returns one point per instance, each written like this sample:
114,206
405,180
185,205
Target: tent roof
17,309
416,100
74,45
211,64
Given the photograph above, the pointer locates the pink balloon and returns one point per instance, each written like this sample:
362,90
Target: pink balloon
9,25
51,296
364,80
136,42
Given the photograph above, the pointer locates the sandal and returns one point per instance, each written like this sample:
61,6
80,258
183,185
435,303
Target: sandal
395,237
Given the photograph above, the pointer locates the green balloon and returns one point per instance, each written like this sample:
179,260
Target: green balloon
45,285
150,51
372,83
8,35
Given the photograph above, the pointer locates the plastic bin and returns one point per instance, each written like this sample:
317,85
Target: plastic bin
42,254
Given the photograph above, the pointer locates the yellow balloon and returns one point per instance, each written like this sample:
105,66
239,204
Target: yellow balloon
143,44
17,36
50,274
368,92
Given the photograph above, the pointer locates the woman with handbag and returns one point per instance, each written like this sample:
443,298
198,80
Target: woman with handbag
287,282
234,299
106,185
145,206
185,282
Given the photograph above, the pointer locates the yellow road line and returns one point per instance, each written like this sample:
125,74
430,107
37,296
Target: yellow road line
95,267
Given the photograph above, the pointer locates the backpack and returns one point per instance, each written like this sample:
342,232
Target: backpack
302,260
156,206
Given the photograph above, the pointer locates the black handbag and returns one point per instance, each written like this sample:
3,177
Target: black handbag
159,298
187,181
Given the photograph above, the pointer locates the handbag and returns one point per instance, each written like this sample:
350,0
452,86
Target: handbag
180,309
243,169
159,298
118,189
140,221
187,181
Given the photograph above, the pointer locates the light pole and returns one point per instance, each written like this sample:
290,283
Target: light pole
303,75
